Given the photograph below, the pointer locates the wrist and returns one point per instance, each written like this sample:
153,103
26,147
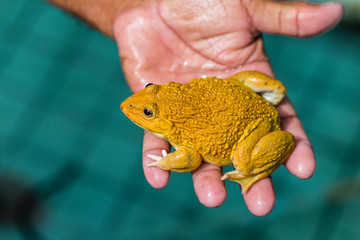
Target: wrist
99,14
124,9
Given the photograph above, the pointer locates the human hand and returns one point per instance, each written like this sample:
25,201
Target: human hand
181,40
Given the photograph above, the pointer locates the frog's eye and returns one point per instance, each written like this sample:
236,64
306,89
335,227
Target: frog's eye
148,112
149,84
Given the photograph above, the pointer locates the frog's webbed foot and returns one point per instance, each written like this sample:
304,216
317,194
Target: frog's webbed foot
185,159
231,175
156,158
245,181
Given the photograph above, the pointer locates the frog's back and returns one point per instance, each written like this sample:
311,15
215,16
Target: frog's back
211,114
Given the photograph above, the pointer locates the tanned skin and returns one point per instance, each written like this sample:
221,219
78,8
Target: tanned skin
101,14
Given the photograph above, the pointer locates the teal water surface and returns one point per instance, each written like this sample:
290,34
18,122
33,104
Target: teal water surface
70,161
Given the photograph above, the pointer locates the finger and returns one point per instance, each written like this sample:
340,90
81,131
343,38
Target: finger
209,187
302,161
156,177
299,19
260,198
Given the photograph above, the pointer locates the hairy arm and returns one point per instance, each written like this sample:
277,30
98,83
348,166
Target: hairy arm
100,14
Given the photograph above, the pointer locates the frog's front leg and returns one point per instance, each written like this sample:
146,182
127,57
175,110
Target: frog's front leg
184,159
269,88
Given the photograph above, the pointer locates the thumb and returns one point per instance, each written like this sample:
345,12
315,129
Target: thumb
298,19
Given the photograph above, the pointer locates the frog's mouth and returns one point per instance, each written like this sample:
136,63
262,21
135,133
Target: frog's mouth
132,114
137,124
136,116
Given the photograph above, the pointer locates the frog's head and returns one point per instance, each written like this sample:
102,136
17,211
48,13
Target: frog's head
142,108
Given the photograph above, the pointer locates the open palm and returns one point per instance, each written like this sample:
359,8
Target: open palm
181,40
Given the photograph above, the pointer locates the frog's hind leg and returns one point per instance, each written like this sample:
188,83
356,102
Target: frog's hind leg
269,88
259,154
184,159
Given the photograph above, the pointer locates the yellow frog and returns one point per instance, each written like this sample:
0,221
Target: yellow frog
219,121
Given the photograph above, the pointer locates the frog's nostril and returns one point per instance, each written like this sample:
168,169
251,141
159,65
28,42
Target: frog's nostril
130,105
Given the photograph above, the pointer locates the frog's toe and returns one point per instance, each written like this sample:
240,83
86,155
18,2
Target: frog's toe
231,175
156,158
153,164
225,176
164,153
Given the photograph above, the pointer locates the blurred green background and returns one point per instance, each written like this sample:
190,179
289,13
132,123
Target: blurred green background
70,162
